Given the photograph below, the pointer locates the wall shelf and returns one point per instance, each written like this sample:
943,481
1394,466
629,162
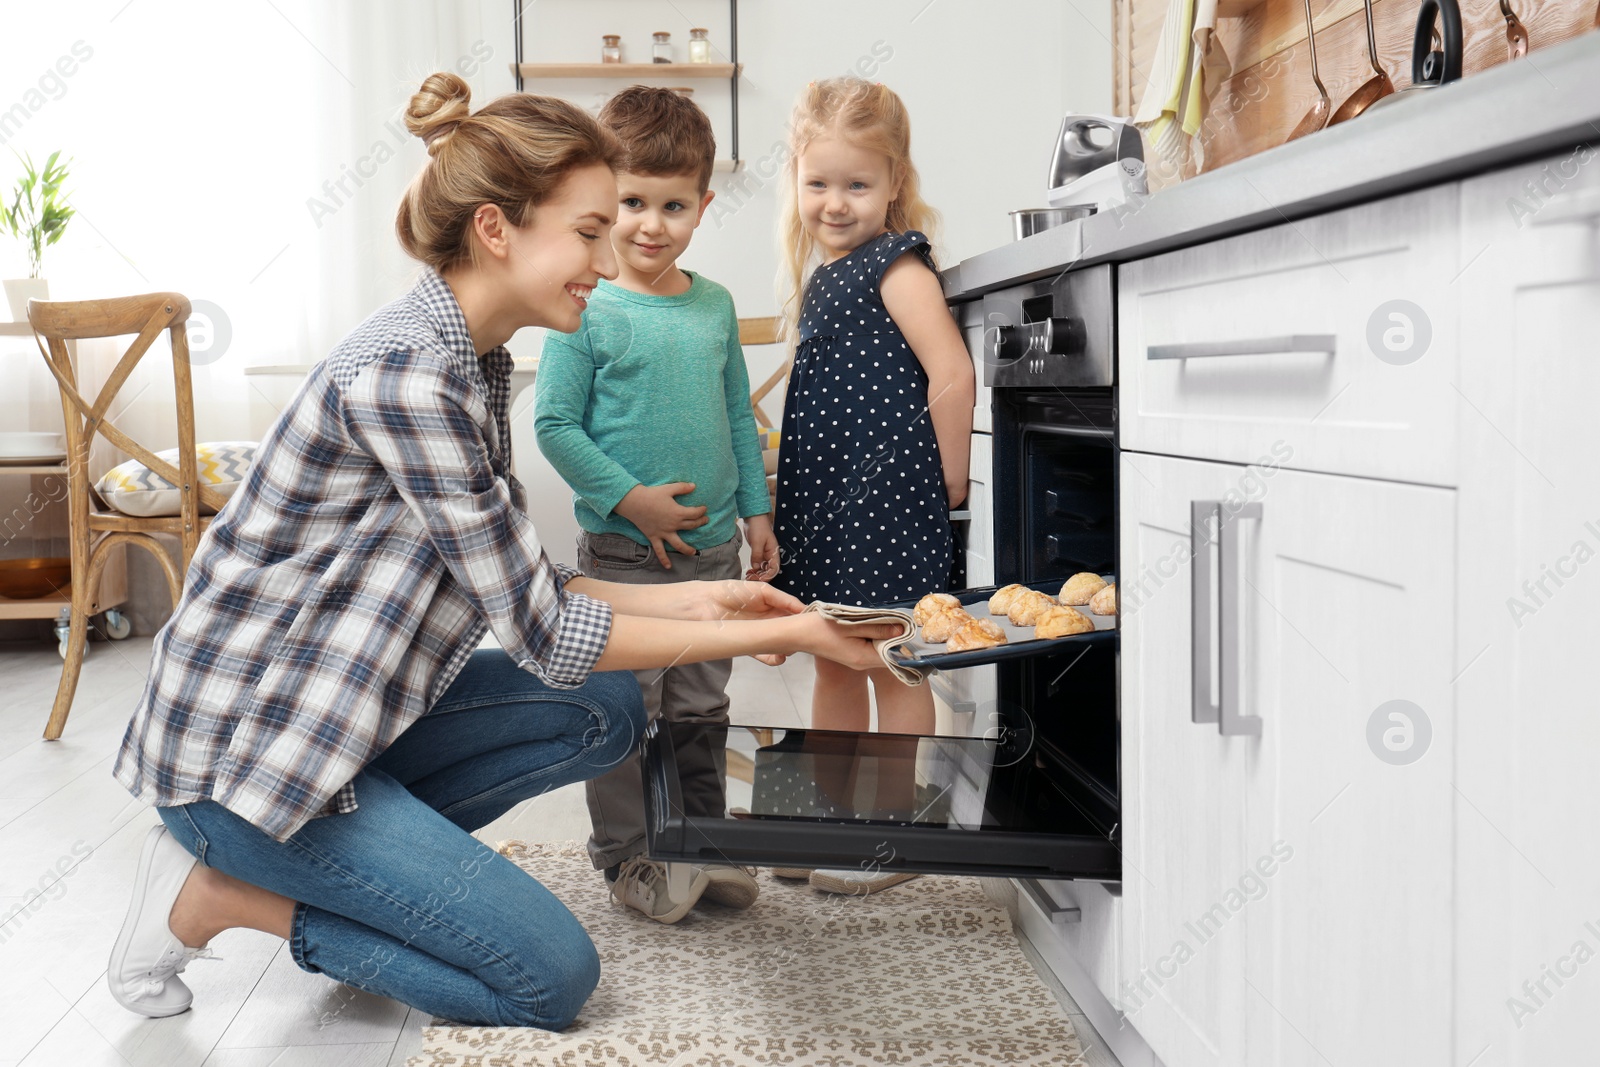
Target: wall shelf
628,70
732,71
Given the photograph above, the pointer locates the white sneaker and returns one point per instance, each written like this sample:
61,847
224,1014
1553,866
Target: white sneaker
147,958
732,887
858,883
645,885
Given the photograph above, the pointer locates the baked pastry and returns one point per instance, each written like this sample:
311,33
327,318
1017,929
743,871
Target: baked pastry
929,605
1062,621
1105,601
979,633
1028,606
1000,603
1081,587
943,623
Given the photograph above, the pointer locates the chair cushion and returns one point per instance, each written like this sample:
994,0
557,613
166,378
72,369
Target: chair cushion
768,436
134,489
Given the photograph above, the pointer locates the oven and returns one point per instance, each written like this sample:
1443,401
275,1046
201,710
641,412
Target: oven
1026,783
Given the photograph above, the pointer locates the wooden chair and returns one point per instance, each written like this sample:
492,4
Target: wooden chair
766,331
94,529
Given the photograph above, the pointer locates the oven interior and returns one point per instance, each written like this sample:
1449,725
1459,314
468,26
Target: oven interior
1028,786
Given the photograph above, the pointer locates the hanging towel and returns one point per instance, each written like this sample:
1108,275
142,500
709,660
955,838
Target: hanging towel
1174,102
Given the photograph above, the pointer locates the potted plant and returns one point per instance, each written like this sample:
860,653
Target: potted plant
38,215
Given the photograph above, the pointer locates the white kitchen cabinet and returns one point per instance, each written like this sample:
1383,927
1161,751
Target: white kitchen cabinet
980,502
1334,336
1182,785
1528,980
1348,619
1286,891
969,318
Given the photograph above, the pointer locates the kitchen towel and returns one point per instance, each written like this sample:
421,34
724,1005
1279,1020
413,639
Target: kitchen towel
1174,104
845,615
930,975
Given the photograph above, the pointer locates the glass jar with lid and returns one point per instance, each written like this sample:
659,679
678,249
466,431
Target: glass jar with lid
699,46
661,50
611,48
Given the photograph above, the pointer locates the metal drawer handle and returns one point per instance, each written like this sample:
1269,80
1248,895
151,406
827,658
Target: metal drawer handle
1202,514
1230,580
1325,343
1058,914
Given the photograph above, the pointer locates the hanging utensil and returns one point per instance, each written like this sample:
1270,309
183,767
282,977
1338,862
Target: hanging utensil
1374,88
1516,36
1317,117
1436,52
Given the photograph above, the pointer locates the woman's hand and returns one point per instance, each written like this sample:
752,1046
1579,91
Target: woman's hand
720,601
850,646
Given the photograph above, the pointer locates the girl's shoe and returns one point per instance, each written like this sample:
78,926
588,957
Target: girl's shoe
796,873
147,959
858,883
732,887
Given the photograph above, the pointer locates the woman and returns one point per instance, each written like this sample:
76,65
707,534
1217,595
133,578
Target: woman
317,733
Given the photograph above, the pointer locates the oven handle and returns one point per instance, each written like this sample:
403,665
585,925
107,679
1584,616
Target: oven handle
1202,515
1325,343
1056,913
1230,581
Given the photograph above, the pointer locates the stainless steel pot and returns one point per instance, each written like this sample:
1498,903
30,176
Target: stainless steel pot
1029,221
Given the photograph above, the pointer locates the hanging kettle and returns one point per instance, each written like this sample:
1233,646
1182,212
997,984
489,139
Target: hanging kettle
1436,51
1428,66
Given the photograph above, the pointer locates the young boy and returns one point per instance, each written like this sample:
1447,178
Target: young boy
646,413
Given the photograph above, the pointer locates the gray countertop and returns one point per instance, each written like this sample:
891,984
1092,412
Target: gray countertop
1542,104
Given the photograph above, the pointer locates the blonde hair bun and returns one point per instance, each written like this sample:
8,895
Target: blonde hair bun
438,108
513,152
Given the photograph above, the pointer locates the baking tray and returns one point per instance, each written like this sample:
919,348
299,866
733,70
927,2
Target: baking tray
926,656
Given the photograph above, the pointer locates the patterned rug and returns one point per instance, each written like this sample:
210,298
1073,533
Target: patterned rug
928,974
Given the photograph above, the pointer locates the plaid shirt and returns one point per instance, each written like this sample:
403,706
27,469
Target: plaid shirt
377,536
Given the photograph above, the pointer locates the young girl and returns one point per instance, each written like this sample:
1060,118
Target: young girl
877,422
317,733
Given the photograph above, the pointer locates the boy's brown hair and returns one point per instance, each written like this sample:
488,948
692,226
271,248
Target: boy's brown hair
662,133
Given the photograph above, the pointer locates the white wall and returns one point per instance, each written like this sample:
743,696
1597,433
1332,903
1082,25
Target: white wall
986,85
207,135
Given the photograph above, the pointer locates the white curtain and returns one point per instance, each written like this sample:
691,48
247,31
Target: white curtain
248,155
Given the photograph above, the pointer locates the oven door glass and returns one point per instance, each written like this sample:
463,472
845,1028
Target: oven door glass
1032,795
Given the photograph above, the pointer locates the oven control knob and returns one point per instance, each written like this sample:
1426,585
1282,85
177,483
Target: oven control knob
1034,341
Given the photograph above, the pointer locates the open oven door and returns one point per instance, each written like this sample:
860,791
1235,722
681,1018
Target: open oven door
1034,795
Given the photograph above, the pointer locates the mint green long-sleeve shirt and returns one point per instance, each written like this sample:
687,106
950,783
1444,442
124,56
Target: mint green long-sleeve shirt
652,389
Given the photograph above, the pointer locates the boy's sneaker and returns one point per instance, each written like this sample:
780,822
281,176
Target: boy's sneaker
645,886
147,958
858,883
732,887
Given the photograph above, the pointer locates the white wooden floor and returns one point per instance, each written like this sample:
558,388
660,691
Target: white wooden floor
70,836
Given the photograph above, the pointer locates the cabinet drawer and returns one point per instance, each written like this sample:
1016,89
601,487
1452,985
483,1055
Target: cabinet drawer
1330,343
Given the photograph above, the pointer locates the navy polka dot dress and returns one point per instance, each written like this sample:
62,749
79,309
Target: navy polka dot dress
862,514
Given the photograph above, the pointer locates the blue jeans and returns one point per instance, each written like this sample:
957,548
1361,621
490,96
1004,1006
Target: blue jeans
397,898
